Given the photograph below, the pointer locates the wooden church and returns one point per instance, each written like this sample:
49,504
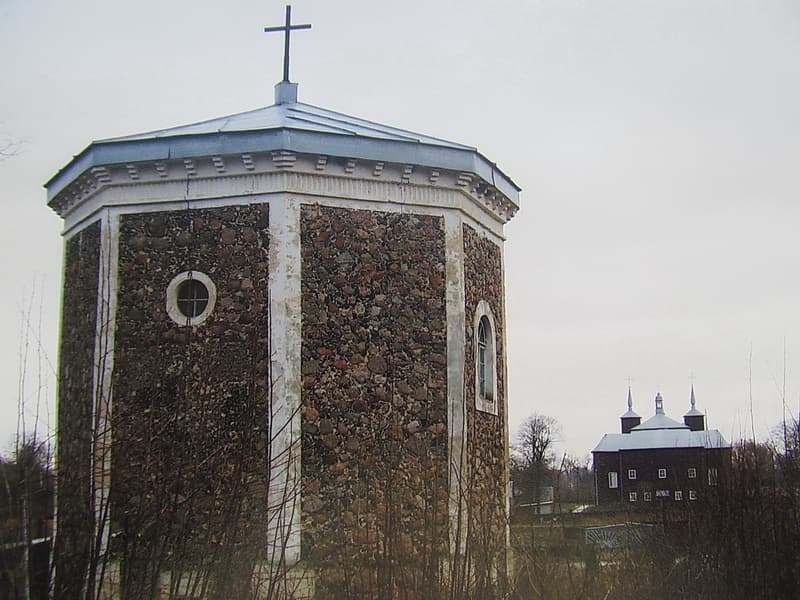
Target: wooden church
282,365
659,461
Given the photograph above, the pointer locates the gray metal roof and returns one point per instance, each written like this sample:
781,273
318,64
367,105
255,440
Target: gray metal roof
295,115
286,125
660,421
661,438
659,431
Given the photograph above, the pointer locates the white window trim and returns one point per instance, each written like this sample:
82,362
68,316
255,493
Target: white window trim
648,496
172,298
486,403
631,473
613,480
692,495
692,472
678,495
662,473
632,497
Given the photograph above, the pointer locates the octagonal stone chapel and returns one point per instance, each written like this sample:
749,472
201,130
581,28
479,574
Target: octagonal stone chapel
282,362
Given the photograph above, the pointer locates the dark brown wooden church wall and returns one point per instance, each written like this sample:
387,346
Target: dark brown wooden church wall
374,458
76,374
190,413
486,452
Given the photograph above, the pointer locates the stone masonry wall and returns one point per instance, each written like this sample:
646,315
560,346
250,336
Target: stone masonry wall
76,371
374,461
486,452
190,414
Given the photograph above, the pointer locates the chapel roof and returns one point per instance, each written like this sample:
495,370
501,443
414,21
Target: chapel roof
661,438
659,431
294,115
292,126
660,421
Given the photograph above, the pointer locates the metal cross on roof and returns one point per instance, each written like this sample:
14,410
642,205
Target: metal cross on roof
287,29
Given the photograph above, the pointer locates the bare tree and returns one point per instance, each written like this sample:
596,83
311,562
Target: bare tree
533,453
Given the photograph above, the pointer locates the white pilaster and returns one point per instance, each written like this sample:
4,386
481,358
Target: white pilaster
456,409
101,386
283,528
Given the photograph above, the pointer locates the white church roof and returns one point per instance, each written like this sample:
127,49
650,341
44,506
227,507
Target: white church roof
292,126
659,431
660,421
661,438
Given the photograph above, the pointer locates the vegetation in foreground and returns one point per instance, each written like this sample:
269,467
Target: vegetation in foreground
743,542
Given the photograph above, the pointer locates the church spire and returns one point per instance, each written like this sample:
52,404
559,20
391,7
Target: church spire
630,419
695,419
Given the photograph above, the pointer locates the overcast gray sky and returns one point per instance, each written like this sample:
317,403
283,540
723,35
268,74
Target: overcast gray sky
657,144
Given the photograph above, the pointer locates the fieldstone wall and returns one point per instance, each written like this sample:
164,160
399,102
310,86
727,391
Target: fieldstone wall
374,460
486,438
191,404
76,374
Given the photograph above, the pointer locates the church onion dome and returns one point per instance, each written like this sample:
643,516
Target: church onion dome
287,129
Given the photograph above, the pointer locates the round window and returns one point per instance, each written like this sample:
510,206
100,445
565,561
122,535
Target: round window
190,298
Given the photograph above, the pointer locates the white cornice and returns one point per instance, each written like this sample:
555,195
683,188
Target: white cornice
278,171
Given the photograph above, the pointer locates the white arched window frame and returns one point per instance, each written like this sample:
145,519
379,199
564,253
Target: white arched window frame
176,306
484,334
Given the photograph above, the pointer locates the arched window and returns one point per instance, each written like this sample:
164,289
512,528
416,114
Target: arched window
483,369
485,359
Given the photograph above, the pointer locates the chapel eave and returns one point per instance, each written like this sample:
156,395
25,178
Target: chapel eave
219,143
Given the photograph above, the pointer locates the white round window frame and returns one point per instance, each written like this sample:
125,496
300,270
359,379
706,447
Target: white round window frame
486,404
174,311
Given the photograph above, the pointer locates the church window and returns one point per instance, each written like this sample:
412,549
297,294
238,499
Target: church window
613,480
713,476
483,325
692,473
632,496
662,473
631,473
485,359
191,296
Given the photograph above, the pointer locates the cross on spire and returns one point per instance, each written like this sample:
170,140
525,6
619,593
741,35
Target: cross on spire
287,28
